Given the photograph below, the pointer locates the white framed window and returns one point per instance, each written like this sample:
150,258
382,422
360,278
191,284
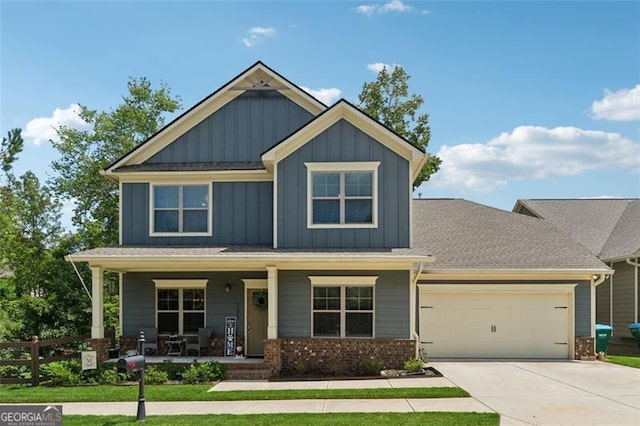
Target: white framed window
342,195
180,306
180,209
343,306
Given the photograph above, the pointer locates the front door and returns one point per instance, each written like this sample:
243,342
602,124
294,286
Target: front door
256,321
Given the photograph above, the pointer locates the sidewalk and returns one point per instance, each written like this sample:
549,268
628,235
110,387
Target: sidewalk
293,406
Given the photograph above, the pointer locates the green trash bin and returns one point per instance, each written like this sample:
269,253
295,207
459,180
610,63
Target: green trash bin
634,329
603,334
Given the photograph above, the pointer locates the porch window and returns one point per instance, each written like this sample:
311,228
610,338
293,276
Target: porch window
344,309
180,310
180,210
342,195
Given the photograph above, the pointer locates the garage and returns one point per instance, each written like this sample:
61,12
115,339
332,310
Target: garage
497,321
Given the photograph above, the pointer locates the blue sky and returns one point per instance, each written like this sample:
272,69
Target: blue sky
526,99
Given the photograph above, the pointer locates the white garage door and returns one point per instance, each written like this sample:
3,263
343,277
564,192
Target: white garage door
494,324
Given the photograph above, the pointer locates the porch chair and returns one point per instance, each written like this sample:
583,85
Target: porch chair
199,342
150,339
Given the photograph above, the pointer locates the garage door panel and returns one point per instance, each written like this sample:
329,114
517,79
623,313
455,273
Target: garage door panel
495,325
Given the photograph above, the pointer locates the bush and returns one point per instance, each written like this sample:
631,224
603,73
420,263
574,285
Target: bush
204,372
413,365
372,366
111,377
63,373
174,372
155,376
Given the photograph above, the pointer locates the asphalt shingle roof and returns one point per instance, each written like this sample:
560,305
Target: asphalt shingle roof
463,235
609,228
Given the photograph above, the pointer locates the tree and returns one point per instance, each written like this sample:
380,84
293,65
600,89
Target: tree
387,99
84,153
10,148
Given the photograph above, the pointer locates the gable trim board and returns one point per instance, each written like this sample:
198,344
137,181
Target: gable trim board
191,176
208,106
346,111
497,321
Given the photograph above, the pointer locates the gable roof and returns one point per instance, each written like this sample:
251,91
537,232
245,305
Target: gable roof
257,77
609,228
466,236
345,110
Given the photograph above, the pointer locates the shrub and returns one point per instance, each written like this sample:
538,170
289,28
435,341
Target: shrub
204,372
155,376
413,365
111,377
63,373
174,371
372,366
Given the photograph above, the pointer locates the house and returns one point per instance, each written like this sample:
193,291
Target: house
610,229
296,220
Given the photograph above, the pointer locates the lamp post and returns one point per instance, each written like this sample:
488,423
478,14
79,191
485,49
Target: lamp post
141,416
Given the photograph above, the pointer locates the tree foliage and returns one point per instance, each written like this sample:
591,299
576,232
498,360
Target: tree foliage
85,152
387,99
10,148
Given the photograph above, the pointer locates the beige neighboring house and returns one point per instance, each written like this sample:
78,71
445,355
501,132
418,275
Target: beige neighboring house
610,229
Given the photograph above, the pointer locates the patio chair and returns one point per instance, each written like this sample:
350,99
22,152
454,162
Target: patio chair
199,342
150,339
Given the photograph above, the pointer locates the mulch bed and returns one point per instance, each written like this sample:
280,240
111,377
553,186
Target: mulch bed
292,376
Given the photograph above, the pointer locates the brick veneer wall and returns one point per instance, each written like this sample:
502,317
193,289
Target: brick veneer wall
585,348
334,356
101,346
216,347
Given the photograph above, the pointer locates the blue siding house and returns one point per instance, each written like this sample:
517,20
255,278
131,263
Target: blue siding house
297,220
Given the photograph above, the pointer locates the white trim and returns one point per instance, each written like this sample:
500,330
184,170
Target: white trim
254,283
342,168
180,311
496,288
120,213
181,283
611,300
181,185
120,297
193,176
272,307
208,106
275,206
97,302
410,201
342,282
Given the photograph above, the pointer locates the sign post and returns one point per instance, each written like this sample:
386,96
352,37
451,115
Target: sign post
141,415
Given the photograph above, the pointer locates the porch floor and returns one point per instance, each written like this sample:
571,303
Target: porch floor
200,359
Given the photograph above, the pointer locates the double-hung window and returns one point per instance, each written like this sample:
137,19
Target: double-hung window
342,195
342,306
180,209
180,310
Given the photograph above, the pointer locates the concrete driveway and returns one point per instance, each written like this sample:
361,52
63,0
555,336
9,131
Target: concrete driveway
563,392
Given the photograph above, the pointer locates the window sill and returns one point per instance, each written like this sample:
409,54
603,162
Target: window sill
343,226
180,234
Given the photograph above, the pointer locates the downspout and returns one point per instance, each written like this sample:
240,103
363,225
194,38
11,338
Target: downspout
635,288
592,302
412,312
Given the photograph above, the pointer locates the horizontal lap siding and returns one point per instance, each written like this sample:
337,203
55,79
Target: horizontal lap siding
623,298
391,302
583,309
603,306
343,142
242,215
139,295
239,131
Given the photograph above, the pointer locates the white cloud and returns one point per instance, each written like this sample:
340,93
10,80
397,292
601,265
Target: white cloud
328,96
623,105
397,6
43,129
376,67
257,35
530,152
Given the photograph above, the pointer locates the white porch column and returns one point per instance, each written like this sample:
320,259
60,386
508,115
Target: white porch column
593,308
97,305
272,287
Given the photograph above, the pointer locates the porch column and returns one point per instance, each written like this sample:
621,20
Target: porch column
97,315
272,287
592,304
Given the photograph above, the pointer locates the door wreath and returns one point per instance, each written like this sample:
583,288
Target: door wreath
259,300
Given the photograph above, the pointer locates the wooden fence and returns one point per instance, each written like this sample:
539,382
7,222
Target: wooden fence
35,359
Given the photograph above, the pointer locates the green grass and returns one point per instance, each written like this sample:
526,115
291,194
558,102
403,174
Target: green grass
328,419
42,394
628,361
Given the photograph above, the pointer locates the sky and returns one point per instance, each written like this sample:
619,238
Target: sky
526,99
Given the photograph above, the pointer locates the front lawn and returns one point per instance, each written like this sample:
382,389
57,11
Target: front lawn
328,419
42,394
628,361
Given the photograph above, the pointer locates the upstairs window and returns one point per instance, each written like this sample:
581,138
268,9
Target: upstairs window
180,210
342,195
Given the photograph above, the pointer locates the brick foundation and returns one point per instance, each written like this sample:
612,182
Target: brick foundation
585,348
334,356
101,346
216,348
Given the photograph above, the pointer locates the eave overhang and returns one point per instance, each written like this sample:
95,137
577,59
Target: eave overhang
513,274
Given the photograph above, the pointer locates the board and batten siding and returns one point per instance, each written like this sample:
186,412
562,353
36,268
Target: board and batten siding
242,215
343,142
391,302
138,298
239,131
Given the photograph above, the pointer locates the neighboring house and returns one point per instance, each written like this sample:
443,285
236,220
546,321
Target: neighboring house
610,229
297,219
